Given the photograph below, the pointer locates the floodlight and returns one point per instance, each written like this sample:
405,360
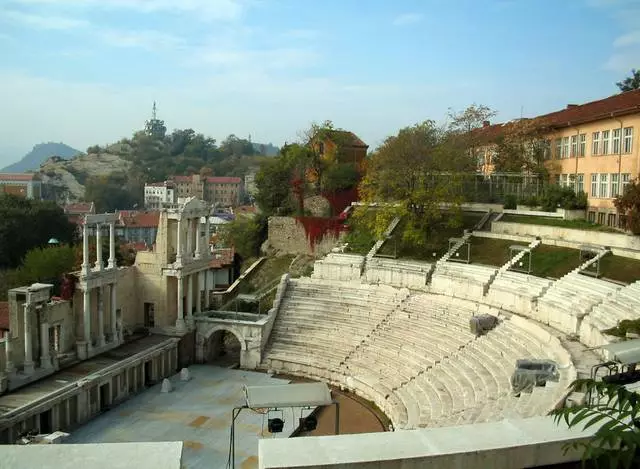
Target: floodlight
275,425
308,423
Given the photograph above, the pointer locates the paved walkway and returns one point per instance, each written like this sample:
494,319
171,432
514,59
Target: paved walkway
197,412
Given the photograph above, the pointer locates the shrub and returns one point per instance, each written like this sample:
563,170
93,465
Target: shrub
628,204
531,201
510,202
562,197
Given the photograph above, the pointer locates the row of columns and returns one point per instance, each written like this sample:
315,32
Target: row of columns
115,334
85,247
192,289
193,230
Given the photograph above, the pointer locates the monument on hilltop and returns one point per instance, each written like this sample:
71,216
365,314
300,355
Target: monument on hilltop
155,127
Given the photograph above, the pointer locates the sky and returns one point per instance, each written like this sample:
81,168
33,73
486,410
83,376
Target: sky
86,72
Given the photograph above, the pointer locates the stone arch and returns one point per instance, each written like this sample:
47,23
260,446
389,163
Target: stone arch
219,327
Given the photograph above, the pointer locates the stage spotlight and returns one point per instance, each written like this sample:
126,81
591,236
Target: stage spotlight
308,423
275,425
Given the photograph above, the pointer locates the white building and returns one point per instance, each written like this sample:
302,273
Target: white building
156,194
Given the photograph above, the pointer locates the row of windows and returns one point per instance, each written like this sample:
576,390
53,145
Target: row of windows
606,142
603,185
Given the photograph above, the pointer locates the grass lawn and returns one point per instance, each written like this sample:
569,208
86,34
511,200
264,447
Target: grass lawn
621,269
549,221
271,269
554,261
437,241
360,237
489,251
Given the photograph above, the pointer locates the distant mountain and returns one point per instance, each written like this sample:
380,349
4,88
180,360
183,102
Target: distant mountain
266,149
40,153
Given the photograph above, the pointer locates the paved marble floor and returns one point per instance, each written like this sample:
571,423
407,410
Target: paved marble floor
197,412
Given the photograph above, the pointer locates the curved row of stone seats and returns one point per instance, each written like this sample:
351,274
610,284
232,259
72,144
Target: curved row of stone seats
399,273
337,266
462,280
473,384
517,292
569,299
623,304
321,322
411,341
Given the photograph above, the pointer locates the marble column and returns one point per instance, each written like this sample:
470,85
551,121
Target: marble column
198,244
198,294
101,341
112,303
205,287
207,235
98,264
179,241
180,321
9,366
28,348
45,356
85,249
87,316
190,299
112,245
189,238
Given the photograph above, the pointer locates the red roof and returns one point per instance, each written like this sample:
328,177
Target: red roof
18,177
80,208
222,257
133,219
616,105
243,209
4,315
223,180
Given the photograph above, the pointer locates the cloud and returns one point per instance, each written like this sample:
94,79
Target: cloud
629,39
407,19
44,22
622,62
203,9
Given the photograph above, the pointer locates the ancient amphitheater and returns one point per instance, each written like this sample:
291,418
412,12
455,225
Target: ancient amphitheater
398,334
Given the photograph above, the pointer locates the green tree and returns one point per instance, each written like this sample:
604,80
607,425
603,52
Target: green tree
522,147
27,224
630,83
246,235
616,413
413,174
628,204
463,126
46,264
338,177
113,192
273,184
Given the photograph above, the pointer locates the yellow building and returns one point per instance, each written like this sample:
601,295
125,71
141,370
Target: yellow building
593,148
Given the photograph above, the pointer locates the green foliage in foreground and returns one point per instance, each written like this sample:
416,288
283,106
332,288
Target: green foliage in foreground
615,413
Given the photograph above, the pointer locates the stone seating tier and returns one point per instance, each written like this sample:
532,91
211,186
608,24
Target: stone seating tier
414,356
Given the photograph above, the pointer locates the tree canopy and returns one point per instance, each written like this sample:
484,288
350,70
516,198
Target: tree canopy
28,224
630,83
628,204
522,147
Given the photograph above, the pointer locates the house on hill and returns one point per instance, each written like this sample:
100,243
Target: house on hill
592,148
27,185
340,146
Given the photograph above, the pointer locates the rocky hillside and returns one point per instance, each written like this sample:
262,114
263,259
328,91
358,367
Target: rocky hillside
67,178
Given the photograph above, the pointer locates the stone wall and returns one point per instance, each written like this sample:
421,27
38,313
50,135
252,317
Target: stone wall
287,235
318,206
622,241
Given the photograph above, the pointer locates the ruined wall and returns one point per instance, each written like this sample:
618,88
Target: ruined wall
127,298
153,287
288,235
61,314
318,206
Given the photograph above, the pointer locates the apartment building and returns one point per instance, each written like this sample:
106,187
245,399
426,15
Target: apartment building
593,147
26,185
156,194
219,191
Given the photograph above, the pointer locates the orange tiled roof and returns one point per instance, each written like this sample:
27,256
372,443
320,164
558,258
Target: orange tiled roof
80,208
23,177
4,315
222,257
134,219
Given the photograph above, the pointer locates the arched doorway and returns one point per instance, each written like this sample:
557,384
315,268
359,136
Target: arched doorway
223,348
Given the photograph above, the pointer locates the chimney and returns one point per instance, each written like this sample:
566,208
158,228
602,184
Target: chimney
486,123
569,106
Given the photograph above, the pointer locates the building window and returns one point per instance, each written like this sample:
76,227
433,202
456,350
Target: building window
625,178
583,145
614,185
601,216
558,149
595,143
611,220
572,182
594,185
592,216
580,183
565,147
627,142
604,185
605,142
616,142
574,146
